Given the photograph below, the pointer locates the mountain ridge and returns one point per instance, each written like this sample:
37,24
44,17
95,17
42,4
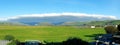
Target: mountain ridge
58,18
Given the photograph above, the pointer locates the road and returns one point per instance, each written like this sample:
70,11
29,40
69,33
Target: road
3,42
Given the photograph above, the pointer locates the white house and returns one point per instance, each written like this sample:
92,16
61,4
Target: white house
92,26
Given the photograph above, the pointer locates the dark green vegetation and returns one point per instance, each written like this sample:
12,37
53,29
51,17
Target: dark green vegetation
49,33
70,41
111,30
9,37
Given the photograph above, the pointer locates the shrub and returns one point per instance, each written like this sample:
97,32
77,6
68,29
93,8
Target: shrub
14,42
110,30
75,41
9,37
70,41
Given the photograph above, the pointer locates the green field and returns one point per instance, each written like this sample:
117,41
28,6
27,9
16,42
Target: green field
49,33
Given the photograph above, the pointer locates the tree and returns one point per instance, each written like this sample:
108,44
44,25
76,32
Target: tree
118,27
110,30
9,37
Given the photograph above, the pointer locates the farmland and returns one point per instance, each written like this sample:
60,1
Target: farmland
49,33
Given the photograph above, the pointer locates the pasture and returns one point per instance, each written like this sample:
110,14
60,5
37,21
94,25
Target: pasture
49,33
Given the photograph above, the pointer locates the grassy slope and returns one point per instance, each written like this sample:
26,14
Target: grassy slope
111,22
48,33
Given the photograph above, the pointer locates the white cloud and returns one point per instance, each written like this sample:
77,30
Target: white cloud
61,14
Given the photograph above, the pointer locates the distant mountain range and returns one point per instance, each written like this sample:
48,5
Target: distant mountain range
12,24
57,19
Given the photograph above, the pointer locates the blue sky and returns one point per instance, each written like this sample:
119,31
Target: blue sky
20,7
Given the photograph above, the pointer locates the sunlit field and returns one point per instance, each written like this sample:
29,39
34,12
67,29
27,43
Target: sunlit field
49,33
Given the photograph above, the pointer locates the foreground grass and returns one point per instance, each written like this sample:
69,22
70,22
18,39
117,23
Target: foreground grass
49,33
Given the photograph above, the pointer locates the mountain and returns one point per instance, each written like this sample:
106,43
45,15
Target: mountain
57,19
44,24
12,24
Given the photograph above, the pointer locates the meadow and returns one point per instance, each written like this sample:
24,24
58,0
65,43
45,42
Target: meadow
49,33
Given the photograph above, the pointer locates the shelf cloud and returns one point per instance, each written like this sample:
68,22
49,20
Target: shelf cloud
61,14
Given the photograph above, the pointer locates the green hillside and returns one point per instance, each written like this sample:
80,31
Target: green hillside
113,22
96,23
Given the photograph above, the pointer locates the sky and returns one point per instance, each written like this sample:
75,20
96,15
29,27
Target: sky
9,8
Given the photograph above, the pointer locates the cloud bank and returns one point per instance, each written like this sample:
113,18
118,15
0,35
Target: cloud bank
60,14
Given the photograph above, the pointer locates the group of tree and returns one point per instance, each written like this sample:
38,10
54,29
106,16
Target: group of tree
70,41
112,29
